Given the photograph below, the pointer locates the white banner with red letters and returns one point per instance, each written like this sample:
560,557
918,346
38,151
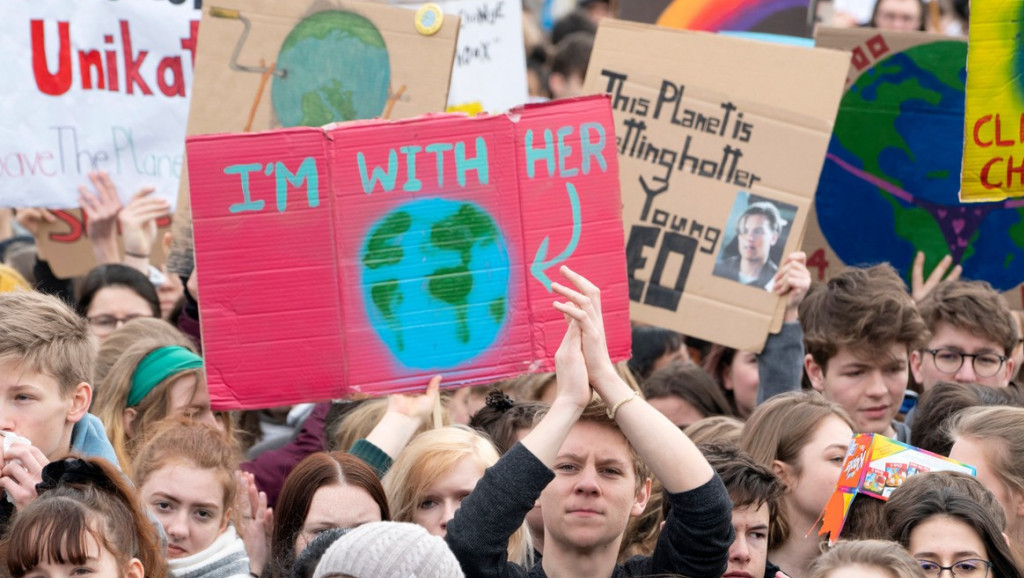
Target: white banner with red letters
93,85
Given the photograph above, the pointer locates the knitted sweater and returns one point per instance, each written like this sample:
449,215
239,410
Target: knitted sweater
694,542
224,558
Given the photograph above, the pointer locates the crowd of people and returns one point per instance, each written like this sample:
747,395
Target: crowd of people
690,459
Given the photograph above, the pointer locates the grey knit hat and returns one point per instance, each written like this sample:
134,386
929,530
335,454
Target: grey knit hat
389,550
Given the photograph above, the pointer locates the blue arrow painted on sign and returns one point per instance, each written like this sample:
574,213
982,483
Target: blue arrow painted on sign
539,266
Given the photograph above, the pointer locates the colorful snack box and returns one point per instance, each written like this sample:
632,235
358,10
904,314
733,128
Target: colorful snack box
876,466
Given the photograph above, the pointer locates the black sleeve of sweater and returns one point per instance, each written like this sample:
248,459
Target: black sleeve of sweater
48,282
487,518
696,537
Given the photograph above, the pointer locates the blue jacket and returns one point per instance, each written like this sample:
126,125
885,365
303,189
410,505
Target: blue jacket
89,439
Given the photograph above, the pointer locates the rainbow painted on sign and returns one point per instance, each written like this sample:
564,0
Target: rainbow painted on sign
715,15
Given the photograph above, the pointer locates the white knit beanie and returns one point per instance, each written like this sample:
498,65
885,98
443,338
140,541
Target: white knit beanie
389,550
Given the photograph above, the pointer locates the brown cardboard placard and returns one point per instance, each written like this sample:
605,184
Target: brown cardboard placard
906,90
69,251
264,64
707,126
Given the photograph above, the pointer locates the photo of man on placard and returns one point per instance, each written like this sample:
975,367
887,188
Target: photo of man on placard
751,256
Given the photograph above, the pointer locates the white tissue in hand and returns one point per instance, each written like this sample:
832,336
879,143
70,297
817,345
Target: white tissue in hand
11,438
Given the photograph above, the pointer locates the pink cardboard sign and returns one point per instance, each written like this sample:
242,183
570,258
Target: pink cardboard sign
362,258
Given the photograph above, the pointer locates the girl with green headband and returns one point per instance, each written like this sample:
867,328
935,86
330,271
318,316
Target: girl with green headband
150,381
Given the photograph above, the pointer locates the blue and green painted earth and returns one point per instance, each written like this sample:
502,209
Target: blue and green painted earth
333,67
435,281
891,181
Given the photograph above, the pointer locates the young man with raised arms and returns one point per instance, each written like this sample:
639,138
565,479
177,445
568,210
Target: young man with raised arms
587,462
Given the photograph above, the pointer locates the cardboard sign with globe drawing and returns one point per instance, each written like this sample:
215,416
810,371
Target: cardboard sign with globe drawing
700,150
264,64
890,184
364,258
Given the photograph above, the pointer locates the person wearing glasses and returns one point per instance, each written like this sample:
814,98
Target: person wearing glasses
990,438
973,335
950,534
113,295
758,230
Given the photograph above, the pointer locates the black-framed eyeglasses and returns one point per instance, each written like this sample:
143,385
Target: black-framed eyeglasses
108,323
972,568
950,361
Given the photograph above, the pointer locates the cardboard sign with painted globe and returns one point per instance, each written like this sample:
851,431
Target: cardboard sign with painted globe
890,186
364,258
266,64
352,79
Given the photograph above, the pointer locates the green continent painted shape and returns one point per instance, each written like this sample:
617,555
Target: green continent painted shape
382,250
460,233
497,309
387,297
881,112
316,112
452,285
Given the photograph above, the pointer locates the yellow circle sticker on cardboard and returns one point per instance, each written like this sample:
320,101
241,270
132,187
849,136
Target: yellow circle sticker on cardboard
429,19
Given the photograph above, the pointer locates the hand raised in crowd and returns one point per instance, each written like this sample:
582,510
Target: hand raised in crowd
405,414
792,281
584,307
416,405
257,521
31,217
101,211
22,470
138,227
920,287
572,387
571,381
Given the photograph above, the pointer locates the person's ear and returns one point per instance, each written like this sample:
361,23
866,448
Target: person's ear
814,373
134,569
1008,369
727,377
642,497
1018,498
783,471
81,398
129,416
229,513
916,362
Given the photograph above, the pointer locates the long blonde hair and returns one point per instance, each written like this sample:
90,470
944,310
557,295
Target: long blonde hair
111,399
429,456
